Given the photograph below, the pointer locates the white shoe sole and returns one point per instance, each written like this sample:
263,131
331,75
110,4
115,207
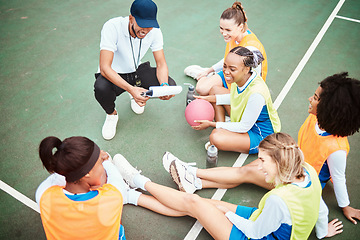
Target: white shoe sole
176,178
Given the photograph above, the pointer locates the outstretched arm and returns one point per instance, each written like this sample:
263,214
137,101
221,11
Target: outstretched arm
337,165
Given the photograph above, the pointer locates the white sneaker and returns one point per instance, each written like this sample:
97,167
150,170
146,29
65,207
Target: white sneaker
194,70
168,158
207,145
109,127
135,107
185,180
127,171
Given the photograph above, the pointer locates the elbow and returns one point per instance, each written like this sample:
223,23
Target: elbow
103,71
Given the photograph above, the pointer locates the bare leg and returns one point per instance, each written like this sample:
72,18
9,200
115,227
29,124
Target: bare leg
204,84
230,141
220,110
210,217
229,177
154,205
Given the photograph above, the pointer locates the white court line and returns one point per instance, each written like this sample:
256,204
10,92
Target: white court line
19,196
197,227
349,19
218,195
307,56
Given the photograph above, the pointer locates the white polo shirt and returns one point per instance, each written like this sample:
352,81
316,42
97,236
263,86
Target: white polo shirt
115,37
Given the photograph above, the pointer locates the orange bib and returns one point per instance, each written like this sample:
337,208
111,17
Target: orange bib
318,148
96,218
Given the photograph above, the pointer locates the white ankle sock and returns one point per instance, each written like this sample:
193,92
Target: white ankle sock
133,196
140,180
198,182
193,170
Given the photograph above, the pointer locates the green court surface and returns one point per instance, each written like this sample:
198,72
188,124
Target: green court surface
49,54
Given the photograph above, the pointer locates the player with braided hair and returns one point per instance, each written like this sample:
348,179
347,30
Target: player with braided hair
249,104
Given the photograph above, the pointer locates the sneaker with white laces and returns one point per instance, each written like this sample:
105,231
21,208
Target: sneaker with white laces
185,180
127,171
168,158
135,107
109,127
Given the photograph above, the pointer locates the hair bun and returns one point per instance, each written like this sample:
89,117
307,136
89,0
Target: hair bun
257,59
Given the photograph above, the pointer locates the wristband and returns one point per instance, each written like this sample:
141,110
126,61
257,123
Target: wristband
164,83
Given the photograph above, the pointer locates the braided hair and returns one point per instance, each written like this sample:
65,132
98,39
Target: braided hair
251,58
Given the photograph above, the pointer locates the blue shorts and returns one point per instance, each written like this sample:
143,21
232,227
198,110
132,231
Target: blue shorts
324,174
221,74
122,233
257,133
244,212
261,129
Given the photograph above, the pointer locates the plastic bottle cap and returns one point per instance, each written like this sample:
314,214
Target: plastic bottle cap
191,88
212,151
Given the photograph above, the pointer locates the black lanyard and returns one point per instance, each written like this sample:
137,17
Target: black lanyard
132,50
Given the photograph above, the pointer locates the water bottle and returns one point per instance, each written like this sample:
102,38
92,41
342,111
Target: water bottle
190,94
212,156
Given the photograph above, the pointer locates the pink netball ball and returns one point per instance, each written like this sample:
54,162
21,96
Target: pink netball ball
199,109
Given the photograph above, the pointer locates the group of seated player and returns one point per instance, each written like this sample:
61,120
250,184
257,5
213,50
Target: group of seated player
83,198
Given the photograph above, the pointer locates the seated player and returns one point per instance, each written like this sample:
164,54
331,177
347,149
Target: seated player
249,104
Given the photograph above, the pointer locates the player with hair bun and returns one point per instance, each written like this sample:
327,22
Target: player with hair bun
83,197
234,28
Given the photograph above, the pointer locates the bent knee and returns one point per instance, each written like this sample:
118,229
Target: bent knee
202,89
192,200
216,137
218,90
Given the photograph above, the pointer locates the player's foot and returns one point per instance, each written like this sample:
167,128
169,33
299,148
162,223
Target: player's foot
168,158
127,171
194,71
207,145
135,107
185,180
109,127
132,196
